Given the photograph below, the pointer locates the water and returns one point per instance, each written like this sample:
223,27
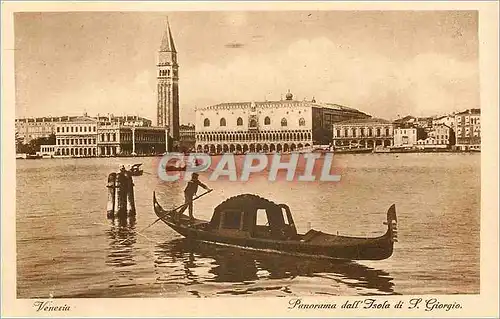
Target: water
66,247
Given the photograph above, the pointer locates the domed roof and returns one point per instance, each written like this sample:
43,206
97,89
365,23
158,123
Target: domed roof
289,96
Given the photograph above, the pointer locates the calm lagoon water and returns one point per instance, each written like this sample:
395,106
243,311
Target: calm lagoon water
66,247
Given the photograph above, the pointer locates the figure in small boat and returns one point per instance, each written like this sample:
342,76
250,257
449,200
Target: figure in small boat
189,193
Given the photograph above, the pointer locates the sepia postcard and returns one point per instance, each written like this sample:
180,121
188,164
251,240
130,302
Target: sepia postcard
253,159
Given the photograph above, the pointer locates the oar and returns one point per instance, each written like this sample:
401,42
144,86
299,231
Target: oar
179,207
168,212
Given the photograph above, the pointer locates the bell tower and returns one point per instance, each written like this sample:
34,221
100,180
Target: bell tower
168,85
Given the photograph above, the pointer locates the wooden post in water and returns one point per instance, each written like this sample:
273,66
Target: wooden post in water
111,195
121,194
130,195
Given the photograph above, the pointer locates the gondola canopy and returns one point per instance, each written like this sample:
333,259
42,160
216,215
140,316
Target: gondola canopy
242,212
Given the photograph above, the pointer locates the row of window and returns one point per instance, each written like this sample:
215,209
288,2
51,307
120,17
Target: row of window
432,142
471,120
39,129
378,132
107,137
250,147
255,137
165,72
442,137
405,131
77,151
73,129
476,131
33,123
253,122
75,141
467,134
244,131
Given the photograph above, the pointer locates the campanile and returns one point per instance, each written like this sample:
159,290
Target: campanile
168,85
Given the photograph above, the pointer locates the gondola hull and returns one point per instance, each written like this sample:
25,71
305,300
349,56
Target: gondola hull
313,243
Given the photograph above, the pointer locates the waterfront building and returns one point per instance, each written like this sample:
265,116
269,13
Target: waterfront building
268,126
406,136
168,86
187,136
28,129
77,137
326,114
108,136
448,120
438,137
47,150
468,130
37,127
120,139
363,133
424,122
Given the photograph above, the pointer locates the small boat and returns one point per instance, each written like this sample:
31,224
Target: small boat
234,222
135,170
171,168
180,166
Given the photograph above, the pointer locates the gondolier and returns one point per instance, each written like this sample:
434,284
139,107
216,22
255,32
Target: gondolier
189,193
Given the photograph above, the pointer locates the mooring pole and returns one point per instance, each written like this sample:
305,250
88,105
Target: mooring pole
111,195
130,195
121,194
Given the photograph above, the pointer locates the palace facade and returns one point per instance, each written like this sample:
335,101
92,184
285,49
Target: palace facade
363,133
269,126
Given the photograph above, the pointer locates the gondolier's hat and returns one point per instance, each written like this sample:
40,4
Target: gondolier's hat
196,175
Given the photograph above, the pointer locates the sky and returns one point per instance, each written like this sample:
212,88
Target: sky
385,63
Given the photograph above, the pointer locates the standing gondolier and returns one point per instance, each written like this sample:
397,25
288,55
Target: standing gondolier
189,193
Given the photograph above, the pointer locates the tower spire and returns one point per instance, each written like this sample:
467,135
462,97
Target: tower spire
168,86
167,43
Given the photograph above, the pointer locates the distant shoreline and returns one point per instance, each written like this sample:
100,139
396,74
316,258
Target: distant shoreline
336,153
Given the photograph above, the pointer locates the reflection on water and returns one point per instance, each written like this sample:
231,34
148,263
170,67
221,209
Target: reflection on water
234,265
122,238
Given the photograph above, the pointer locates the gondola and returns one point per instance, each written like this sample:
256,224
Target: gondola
180,166
135,170
172,168
234,222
